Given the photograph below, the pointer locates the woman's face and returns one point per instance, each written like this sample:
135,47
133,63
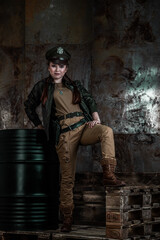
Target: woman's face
57,71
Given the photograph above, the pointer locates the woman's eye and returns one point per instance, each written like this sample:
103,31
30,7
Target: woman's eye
61,66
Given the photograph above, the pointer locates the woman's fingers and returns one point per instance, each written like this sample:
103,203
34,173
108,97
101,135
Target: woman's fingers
92,123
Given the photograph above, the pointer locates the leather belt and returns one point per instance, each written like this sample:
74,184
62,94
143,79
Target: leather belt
73,126
70,115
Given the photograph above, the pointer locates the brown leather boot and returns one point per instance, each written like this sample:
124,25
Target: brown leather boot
67,217
109,178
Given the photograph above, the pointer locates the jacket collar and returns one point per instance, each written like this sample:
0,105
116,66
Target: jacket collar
68,84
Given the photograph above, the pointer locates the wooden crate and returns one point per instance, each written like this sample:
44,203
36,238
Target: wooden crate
132,211
150,229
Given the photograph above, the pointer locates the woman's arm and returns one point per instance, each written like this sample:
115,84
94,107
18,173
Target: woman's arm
96,117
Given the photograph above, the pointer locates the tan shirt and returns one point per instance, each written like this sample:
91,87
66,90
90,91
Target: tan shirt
63,100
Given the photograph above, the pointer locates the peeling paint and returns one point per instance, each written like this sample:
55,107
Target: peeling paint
138,31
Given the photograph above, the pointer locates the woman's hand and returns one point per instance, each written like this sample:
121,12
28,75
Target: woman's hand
93,123
96,120
40,126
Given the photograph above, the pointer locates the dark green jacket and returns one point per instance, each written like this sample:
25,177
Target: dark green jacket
50,122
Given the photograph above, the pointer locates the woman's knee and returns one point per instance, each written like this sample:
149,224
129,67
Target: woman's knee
107,131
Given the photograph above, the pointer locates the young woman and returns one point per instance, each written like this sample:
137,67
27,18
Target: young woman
70,118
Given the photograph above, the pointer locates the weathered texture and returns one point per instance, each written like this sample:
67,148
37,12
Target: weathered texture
138,152
126,64
58,21
12,23
126,79
79,232
20,235
134,153
11,63
11,114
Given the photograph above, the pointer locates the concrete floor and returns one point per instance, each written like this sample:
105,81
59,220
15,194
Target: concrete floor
82,232
78,232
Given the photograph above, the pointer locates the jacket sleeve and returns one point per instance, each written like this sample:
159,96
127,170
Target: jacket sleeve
32,103
87,97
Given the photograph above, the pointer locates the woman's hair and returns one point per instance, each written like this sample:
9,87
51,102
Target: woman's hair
76,94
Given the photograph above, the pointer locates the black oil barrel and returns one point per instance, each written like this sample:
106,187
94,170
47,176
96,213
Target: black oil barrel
29,181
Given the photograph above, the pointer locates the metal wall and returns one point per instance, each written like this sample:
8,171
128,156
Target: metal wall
115,53
11,63
126,79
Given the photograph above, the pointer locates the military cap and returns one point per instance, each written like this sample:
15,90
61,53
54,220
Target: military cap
58,53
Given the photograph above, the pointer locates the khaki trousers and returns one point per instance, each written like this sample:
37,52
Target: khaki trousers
67,152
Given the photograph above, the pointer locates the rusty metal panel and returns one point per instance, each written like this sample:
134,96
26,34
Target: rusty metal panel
11,63
11,85
12,23
126,80
132,21
58,21
128,96
126,72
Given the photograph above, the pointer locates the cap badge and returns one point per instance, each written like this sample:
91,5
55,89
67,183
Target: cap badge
60,50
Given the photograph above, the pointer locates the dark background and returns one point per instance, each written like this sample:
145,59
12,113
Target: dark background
115,53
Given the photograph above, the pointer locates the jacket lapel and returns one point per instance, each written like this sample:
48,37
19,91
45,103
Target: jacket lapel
68,85
49,99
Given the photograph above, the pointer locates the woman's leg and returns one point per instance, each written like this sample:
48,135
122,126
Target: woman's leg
104,135
67,153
